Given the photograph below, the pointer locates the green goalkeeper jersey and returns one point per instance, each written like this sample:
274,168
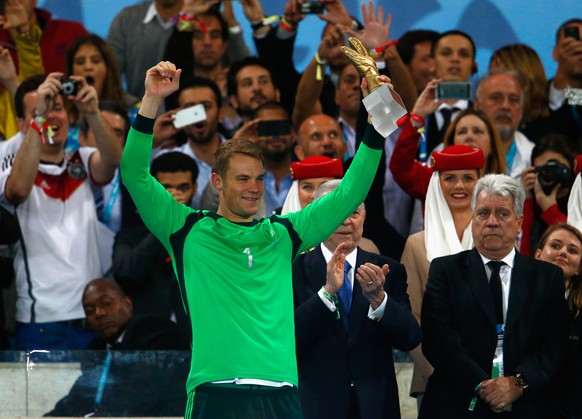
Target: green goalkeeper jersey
235,278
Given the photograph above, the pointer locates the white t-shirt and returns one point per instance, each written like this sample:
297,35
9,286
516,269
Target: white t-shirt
58,254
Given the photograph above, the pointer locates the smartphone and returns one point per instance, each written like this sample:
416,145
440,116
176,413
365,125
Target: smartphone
274,128
2,7
572,32
310,7
453,90
189,116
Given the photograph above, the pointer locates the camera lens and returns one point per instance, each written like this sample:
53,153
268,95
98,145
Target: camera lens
546,174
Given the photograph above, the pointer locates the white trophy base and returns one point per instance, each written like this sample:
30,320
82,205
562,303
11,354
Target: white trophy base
385,107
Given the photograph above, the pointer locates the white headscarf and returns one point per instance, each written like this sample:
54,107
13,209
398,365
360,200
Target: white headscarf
292,202
440,234
575,204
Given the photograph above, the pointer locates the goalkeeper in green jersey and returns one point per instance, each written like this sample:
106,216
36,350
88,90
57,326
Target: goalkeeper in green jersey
234,271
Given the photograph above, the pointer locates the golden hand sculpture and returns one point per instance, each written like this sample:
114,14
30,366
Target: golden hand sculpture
365,64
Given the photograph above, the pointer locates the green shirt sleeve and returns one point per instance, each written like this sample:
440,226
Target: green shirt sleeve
160,212
318,220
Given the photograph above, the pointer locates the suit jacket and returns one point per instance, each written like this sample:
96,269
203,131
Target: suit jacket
330,358
459,331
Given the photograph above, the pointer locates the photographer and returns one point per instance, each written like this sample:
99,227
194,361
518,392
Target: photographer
547,185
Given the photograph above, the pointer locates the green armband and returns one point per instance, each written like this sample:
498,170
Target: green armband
333,299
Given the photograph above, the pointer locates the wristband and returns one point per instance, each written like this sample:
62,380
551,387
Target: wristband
235,30
186,23
383,47
265,22
320,66
417,118
333,299
42,127
258,25
286,25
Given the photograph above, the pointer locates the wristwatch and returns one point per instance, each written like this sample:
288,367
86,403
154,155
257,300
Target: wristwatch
520,382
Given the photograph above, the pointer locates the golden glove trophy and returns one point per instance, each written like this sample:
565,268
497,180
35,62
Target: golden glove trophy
383,104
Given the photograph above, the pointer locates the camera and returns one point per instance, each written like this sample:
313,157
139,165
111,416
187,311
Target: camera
69,87
312,7
552,174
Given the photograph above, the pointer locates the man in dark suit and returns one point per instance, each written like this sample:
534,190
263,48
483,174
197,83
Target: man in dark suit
492,320
348,318
124,381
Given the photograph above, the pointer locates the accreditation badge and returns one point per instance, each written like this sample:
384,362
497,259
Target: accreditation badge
497,368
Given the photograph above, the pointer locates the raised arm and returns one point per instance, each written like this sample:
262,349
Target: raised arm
106,159
237,47
320,218
376,35
411,175
21,179
311,82
8,75
161,213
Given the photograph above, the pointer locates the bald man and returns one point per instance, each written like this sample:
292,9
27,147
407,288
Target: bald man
320,135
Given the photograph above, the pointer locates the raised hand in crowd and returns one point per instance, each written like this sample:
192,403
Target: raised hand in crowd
426,105
198,7
254,13
15,16
330,42
47,93
567,52
335,12
228,14
86,99
292,14
376,31
165,131
8,75
248,130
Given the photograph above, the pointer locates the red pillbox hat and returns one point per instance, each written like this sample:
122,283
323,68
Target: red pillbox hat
317,166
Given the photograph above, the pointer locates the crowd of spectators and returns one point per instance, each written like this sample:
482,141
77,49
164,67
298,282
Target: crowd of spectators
67,218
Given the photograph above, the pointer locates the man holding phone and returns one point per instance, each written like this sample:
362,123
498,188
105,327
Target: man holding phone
271,130
198,117
275,138
567,117
454,59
